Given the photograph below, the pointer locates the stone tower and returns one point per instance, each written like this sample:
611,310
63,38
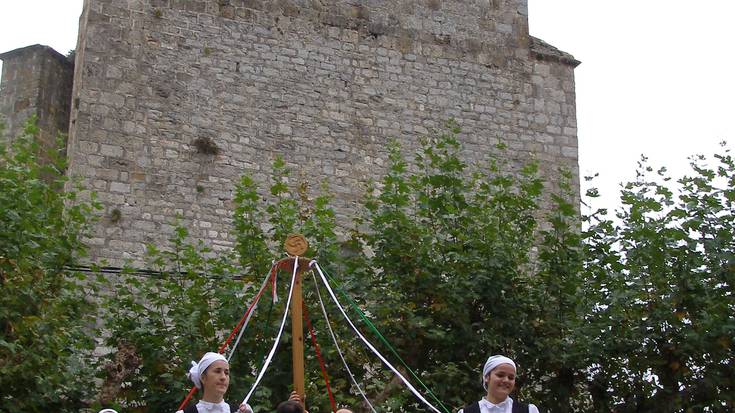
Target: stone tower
36,80
173,100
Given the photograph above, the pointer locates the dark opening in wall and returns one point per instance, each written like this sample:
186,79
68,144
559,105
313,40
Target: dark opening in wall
205,145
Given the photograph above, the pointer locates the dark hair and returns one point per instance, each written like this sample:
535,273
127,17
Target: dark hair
290,406
204,373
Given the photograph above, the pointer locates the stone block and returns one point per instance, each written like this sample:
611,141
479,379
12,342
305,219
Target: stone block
111,150
119,187
569,151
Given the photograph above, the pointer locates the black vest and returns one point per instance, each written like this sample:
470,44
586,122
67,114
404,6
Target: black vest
518,407
192,408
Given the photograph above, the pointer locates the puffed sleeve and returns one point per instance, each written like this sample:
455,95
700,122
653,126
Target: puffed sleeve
532,408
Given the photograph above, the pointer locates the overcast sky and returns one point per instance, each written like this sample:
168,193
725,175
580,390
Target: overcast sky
656,76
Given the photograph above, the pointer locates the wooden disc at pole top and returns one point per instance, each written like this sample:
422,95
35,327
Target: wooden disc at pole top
296,245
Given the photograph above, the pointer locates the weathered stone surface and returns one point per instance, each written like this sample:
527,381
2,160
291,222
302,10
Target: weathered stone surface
323,84
36,80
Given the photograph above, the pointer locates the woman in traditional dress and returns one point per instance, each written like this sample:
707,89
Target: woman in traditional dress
499,380
212,376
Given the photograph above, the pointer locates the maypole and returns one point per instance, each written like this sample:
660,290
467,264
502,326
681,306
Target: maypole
296,245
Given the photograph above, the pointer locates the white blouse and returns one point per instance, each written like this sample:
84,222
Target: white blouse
221,407
506,406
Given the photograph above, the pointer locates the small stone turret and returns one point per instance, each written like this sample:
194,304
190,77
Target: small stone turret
36,80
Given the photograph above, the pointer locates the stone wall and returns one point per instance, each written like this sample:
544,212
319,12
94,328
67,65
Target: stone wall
324,84
36,80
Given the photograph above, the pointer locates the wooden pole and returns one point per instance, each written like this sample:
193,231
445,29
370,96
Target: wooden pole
297,338
296,245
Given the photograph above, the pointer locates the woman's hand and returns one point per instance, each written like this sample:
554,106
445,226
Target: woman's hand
245,408
297,398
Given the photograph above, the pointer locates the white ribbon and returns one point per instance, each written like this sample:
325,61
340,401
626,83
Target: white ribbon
339,351
370,346
280,331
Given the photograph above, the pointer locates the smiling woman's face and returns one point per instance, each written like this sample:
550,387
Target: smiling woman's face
500,383
215,381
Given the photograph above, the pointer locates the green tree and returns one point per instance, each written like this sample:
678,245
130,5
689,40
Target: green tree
45,316
452,255
553,307
662,275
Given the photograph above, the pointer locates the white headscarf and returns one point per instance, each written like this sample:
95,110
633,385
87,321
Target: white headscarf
196,370
491,363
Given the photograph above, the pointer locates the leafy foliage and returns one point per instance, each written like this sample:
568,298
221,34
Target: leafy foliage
465,270
45,341
161,320
450,263
662,278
